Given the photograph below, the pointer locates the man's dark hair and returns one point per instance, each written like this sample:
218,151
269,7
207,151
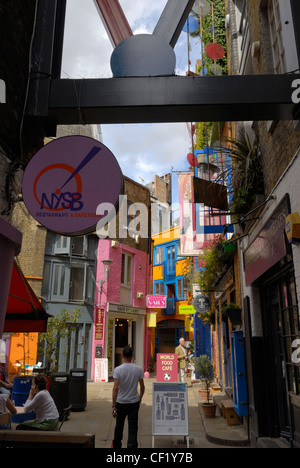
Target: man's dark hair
128,352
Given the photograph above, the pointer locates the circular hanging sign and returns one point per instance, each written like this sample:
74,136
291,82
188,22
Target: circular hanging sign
215,51
191,25
66,181
202,303
203,7
193,161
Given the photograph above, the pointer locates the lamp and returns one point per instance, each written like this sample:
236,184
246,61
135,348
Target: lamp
106,264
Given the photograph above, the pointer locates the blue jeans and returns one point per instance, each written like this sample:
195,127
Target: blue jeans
132,412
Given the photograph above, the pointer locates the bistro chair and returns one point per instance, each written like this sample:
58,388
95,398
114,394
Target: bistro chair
5,419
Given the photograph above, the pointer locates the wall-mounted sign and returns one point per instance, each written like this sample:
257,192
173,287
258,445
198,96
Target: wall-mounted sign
269,246
151,320
157,302
186,310
67,180
99,322
202,303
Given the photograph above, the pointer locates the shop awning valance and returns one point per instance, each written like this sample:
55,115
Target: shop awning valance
24,312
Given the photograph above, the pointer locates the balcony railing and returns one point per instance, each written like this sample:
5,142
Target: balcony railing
169,268
171,306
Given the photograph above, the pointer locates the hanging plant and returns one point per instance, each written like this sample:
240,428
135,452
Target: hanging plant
233,312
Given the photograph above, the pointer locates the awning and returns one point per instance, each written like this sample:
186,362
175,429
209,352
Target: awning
24,312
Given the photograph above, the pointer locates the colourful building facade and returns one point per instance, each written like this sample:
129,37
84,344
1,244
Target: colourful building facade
168,274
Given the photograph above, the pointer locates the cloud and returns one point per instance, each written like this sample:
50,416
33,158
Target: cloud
146,150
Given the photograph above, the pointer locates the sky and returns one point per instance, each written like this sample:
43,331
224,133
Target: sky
142,150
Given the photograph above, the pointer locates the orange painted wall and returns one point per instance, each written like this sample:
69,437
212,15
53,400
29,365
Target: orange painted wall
20,344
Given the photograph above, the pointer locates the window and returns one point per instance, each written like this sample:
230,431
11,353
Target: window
78,246
181,289
158,255
278,49
76,292
62,245
46,281
126,274
69,283
60,282
159,289
126,279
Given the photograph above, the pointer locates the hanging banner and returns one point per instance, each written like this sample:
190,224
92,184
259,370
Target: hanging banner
191,241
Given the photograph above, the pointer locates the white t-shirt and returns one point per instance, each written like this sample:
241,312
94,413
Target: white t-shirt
3,400
43,405
128,375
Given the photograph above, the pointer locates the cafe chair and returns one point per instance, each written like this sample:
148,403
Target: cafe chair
5,419
63,416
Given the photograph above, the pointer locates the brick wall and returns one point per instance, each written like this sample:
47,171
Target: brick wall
31,258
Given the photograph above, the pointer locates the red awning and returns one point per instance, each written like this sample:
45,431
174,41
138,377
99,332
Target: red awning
24,312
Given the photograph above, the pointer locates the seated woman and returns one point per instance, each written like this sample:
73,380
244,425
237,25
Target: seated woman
41,402
5,383
6,406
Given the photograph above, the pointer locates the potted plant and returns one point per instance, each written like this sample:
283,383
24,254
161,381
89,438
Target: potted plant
233,312
205,369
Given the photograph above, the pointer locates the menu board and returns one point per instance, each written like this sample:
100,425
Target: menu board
170,409
101,370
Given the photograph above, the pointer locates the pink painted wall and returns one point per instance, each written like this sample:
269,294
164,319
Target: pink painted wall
111,291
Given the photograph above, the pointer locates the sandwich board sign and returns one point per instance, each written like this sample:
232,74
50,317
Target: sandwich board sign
170,410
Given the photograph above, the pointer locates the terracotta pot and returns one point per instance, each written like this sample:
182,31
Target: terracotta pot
203,394
209,410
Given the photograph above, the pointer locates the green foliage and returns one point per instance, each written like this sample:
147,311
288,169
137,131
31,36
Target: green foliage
203,129
247,172
59,327
220,35
213,264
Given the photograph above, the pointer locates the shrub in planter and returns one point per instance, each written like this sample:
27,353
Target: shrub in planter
205,369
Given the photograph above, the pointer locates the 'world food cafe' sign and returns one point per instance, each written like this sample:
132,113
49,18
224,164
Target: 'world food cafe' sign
67,180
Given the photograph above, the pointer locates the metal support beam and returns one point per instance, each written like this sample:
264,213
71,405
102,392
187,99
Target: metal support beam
46,53
173,99
114,20
172,20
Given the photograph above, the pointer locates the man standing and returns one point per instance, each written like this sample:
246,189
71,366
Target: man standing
126,399
182,354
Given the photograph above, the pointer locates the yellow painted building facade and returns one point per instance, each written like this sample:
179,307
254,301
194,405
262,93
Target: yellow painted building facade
168,275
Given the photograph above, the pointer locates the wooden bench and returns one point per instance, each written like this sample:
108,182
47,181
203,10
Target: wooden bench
37,439
229,413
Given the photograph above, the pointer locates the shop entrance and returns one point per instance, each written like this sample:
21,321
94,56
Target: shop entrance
281,322
121,339
125,334
167,335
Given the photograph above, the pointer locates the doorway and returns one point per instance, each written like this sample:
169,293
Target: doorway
281,322
121,339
